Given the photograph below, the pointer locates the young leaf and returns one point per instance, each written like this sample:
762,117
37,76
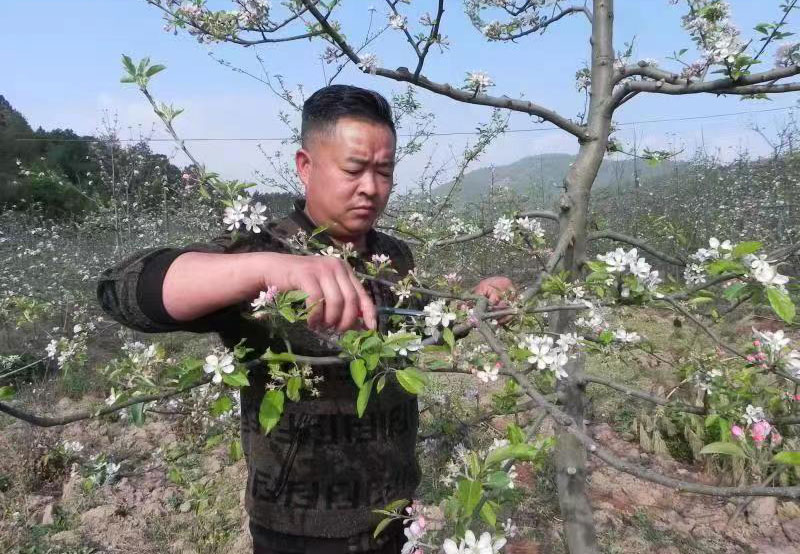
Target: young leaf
469,493
726,448
781,304
269,414
488,514
363,397
6,392
293,388
787,457
449,338
358,372
411,379
152,70
236,379
235,451
221,405
744,248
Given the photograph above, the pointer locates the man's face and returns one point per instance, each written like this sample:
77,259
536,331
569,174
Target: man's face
348,176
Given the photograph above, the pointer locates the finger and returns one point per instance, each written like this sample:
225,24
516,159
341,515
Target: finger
333,301
366,306
350,309
311,287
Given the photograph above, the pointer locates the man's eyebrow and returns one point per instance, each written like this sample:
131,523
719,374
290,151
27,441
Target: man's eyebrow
354,159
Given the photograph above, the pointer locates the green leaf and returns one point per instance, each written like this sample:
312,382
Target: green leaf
358,372
488,514
726,448
411,379
515,433
381,383
6,392
745,248
371,360
382,525
449,338
734,291
221,405
524,452
271,356
137,414
395,505
363,397
781,304
127,80
295,296
128,64
152,70
271,410
469,493
606,337
787,457
718,267
288,313
498,480
235,451
236,379
293,388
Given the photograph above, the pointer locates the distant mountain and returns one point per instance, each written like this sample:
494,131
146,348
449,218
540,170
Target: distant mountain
539,177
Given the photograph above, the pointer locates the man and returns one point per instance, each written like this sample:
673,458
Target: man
314,480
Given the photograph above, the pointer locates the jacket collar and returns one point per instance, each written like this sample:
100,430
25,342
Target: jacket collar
300,217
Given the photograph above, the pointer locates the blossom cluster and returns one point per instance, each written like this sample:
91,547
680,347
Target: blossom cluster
479,81
544,353
709,24
437,313
773,349
760,429
243,214
504,228
621,262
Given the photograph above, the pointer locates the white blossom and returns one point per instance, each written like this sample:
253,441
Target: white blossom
478,81
503,229
368,63
398,21
219,364
753,414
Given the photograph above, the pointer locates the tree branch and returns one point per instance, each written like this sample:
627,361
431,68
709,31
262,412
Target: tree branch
717,86
680,406
402,74
46,421
619,237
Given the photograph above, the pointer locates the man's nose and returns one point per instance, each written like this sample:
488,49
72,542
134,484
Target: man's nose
369,183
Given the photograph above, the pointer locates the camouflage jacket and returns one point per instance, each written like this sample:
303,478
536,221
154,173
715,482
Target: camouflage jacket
321,470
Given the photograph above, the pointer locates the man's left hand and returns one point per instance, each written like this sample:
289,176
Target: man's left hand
496,289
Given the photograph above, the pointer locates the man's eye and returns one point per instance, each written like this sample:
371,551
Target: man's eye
352,171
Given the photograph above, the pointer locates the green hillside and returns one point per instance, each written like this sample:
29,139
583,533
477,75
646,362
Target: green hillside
539,177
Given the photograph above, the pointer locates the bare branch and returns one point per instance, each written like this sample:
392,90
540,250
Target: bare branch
545,23
619,237
680,406
402,74
46,421
717,86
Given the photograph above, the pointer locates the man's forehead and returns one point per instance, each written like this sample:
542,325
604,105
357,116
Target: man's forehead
354,137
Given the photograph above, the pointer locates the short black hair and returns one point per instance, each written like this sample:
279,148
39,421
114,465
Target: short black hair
326,106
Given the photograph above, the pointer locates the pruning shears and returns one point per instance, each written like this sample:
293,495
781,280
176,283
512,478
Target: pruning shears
400,311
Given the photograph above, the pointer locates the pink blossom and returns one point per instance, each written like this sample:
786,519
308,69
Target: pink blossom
761,356
760,430
756,343
737,432
775,439
797,397
751,358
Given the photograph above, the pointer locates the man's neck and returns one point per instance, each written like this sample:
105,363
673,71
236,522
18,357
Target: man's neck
359,243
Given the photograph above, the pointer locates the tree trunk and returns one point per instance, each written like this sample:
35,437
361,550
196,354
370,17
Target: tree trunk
571,456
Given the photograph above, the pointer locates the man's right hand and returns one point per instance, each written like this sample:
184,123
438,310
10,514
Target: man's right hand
330,283
199,283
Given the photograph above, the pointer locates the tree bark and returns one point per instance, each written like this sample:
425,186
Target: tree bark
571,456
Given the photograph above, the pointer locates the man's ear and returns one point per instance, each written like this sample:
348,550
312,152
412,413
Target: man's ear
302,163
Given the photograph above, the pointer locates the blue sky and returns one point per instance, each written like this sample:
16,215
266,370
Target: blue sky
61,62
